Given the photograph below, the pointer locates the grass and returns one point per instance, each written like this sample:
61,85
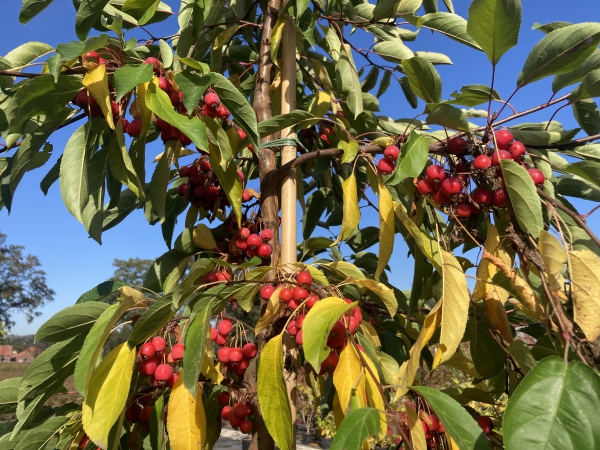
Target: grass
13,370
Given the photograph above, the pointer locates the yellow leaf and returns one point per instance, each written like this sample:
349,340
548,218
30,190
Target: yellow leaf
351,216
96,82
203,237
320,105
272,393
323,76
585,287
555,258
417,434
318,276
386,229
337,410
276,35
187,422
127,291
384,141
426,244
386,294
349,375
408,370
143,110
527,297
374,395
106,393
369,331
273,309
455,307
225,37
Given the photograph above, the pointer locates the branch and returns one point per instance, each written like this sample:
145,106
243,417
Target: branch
574,215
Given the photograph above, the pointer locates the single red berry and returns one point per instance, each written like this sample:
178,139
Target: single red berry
425,427
249,350
241,244
497,156
177,351
464,210
220,339
440,198
85,439
182,189
235,421
285,295
425,187
435,173
148,351
134,129
224,398
517,151
155,62
159,343
266,291
500,198
451,186
330,363
246,196
482,196
235,354
246,427
226,412
224,327
300,320
265,250
311,301
244,233
291,328
92,56
537,176
482,162
293,304
486,424
457,145
163,84
172,379
145,413
435,422
242,134
503,139
240,410
148,366
205,165
385,166
211,99
304,277
193,171
114,107
299,294
266,235
254,241
391,153
353,324
163,373
210,277
299,340
208,111
222,112
223,354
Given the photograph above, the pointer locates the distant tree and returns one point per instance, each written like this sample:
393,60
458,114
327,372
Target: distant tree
22,283
131,271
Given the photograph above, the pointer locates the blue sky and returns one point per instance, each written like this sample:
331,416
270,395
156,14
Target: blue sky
75,263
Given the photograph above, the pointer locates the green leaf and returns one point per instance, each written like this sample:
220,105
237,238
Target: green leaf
589,87
350,83
32,8
193,87
101,291
9,395
93,212
318,324
272,393
523,197
450,117
159,182
413,157
162,267
158,102
51,368
473,95
315,207
560,51
74,49
166,54
384,84
138,8
554,407
152,320
27,53
424,79
277,123
573,186
239,107
566,79
457,421
535,137
121,165
434,57
221,160
522,355
588,170
452,25
195,347
393,51
587,116
70,322
494,25
486,353
357,426
37,438
129,76
200,268
95,340
550,26
88,13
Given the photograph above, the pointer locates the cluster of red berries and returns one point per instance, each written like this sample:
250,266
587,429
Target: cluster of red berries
387,164
249,244
477,169
157,361
238,415
293,297
433,431
236,359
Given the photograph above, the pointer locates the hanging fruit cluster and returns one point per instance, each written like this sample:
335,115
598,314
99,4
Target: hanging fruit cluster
470,178
239,413
236,358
